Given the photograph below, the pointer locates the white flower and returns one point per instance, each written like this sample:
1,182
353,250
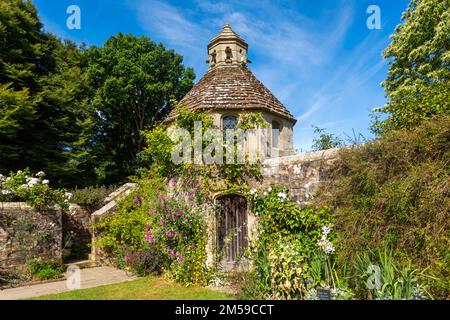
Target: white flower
8,179
6,192
326,230
46,182
253,191
19,172
40,174
326,245
31,182
68,195
265,193
282,196
270,189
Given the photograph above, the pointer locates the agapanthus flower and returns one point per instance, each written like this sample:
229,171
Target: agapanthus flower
326,245
326,230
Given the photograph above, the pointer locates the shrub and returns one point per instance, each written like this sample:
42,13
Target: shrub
394,194
177,225
289,237
91,197
146,262
45,269
123,232
35,190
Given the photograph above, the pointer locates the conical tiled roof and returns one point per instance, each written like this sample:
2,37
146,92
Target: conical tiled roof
232,87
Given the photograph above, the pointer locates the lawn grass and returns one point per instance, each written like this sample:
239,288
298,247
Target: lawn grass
147,288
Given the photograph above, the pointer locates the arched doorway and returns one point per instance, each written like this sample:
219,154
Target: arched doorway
232,229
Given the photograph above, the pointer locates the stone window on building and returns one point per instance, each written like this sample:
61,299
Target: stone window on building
275,134
228,123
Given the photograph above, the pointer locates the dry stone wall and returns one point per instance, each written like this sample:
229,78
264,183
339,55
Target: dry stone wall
27,233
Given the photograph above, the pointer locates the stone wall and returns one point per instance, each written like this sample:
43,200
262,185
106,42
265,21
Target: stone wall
77,234
26,233
301,173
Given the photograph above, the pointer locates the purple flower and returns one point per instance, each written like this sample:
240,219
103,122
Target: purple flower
152,213
170,234
194,246
137,201
150,238
126,259
179,257
180,213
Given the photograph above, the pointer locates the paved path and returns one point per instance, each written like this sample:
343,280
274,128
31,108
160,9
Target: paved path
91,277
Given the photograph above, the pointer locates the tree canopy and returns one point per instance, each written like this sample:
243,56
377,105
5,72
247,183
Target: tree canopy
134,80
77,113
417,84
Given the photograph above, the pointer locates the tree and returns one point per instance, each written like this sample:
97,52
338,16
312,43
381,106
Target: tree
417,85
45,119
134,80
325,140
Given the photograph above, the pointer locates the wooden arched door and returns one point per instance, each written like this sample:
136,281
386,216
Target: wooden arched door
232,233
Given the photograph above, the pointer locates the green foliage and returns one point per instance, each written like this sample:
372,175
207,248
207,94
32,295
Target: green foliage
418,79
325,140
91,197
134,80
288,240
393,193
45,118
381,277
35,190
45,269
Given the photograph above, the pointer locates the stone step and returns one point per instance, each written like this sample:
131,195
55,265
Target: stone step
82,264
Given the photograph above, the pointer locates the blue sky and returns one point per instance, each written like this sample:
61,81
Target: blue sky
318,57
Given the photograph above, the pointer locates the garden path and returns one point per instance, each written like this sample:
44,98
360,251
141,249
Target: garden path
89,278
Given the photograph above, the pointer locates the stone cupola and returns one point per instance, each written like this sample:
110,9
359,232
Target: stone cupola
227,48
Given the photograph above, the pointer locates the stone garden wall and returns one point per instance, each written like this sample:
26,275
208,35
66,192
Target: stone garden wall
302,173
26,232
